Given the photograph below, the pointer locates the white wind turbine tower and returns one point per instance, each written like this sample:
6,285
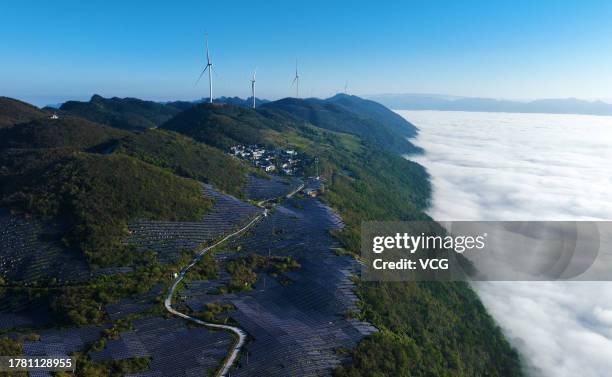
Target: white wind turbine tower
253,86
296,81
209,67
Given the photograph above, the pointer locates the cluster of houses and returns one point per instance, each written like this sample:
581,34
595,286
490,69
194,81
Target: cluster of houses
284,161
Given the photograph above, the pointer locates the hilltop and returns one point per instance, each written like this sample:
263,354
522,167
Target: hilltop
368,109
13,111
353,116
65,132
187,158
125,113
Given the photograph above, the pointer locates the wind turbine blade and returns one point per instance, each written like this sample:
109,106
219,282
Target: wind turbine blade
201,74
207,53
293,82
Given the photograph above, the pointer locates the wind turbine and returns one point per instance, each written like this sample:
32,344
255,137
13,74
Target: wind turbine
209,67
345,87
253,86
296,81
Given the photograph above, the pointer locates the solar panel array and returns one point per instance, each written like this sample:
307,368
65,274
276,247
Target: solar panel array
14,320
112,270
60,343
294,329
258,188
174,348
28,253
169,238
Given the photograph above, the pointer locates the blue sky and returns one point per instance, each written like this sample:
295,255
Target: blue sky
57,50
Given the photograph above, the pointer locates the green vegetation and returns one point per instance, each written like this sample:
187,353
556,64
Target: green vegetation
212,310
429,329
367,109
125,113
14,347
335,117
223,126
377,177
98,194
244,269
10,347
426,329
84,304
187,158
65,132
13,111
207,268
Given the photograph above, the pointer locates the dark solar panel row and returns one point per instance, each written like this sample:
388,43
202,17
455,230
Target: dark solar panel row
294,328
31,251
61,343
258,188
174,348
134,305
168,238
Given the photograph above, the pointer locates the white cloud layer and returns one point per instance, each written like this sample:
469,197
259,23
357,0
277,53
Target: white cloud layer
498,166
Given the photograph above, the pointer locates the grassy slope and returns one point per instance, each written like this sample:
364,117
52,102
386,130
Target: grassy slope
364,108
66,132
187,158
335,117
13,111
222,126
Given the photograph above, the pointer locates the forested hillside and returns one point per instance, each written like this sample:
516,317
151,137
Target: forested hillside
13,111
187,158
347,116
125,113
65,132
364,108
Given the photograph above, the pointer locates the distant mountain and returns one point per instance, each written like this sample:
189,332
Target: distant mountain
13,111
352,115
125,113
450,103
237,101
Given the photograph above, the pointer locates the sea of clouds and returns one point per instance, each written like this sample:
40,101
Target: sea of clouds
500,166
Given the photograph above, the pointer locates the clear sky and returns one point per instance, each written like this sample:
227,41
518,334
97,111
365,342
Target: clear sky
51,51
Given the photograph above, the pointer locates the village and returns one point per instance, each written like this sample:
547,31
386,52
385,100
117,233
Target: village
278,161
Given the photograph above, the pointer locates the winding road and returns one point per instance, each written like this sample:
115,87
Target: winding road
229,360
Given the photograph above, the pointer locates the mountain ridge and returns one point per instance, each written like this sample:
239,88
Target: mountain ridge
415,101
